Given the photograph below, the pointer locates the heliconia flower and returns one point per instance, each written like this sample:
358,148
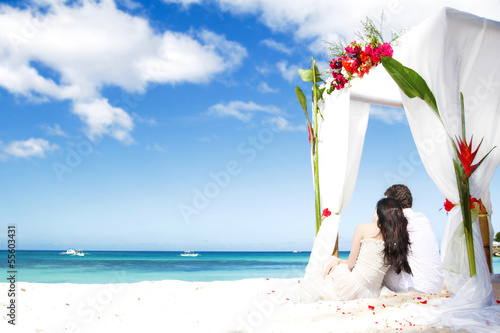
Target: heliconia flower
466,155
326,212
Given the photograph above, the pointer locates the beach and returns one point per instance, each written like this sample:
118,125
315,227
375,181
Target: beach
249,305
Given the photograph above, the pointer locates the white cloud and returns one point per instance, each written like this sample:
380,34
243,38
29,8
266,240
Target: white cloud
93,44
156,147
263,87
103,119
387,115
281,124
274,45
263,69
130,4
184,3
56,130
325,20
142,120
243,111
289,73
28,148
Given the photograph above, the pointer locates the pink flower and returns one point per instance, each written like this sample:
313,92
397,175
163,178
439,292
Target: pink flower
386,50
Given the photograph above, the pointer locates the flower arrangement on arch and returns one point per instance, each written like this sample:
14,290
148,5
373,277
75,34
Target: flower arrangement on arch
354,60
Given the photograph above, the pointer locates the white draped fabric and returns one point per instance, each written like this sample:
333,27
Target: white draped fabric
455,51
341,135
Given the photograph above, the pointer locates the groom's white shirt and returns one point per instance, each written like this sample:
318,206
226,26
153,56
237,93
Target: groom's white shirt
424,259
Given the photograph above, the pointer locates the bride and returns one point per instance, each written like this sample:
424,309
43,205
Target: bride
376,246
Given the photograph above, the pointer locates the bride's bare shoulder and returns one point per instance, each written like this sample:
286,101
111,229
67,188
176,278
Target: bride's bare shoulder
367,229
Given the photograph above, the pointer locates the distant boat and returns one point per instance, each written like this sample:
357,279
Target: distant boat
79,253
296,251
72,252
189,254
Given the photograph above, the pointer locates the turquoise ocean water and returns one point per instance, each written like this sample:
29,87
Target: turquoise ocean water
135,266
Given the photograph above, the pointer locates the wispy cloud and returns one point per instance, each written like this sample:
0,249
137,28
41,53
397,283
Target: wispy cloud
142,120
54,130
387,115
264,88
208,139
28,148
156,147
243,111
282,124
289,73
274,45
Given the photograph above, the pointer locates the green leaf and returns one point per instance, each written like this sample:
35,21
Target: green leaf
412,84
302,99
306,75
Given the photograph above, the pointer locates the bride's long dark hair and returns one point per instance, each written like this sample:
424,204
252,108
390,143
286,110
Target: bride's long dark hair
393,226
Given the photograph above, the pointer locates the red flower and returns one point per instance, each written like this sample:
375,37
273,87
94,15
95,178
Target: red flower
466,155
326,212
348,63
364,57
448,205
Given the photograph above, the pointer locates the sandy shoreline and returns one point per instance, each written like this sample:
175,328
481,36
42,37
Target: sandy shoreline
253,305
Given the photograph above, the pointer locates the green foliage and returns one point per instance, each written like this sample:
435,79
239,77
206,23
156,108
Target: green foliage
412,84
497,237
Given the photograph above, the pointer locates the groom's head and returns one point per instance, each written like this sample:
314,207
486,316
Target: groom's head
400,193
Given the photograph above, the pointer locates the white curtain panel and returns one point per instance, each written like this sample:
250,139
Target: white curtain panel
455,51
341,134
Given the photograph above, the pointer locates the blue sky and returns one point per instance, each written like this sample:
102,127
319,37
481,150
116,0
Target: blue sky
173,125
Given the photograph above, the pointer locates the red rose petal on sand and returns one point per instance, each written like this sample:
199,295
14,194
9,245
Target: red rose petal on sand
498,301
371,307
424,302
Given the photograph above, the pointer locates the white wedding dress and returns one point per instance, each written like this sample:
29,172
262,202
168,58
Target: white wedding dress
364,281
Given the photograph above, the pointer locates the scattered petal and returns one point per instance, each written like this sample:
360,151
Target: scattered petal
424,302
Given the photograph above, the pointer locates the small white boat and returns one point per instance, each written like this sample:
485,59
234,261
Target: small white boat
296,251
189,254
79,254
70,251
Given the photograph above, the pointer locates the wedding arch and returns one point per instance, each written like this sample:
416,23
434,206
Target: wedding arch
455,52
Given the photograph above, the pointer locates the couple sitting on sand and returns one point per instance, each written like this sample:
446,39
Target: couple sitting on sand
398,249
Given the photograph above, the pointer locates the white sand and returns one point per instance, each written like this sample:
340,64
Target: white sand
254,305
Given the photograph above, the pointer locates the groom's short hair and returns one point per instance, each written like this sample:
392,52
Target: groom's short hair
401,193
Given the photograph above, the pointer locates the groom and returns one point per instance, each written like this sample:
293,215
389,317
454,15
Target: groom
424,259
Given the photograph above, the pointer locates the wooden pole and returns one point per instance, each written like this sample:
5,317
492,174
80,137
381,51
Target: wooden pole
336,249
484,226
